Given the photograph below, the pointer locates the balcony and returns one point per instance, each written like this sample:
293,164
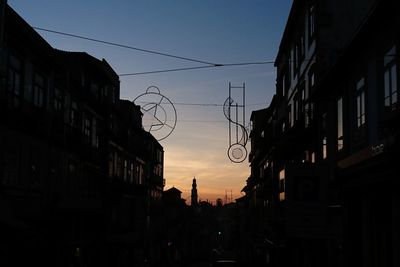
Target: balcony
304,207
298,137
391,116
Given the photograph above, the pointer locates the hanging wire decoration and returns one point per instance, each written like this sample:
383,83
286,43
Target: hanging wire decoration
159,114
237,151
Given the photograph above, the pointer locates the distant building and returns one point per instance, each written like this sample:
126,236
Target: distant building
194,197
171,195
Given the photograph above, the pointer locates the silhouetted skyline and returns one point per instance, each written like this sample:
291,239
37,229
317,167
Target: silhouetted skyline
212,31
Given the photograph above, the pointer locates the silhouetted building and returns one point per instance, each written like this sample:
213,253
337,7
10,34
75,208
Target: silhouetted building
359,98
194,197
80,180
323,162
172,195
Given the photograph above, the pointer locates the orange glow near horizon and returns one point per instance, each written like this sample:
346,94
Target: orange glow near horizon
216,176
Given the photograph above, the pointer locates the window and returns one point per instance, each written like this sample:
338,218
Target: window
282,185
310,156
87,128
339,124
111,165
73,114
14,79
113,94
95,134
58,100
390,79
94,89
311,23
159,155
117,164
139,173
296,108
360,95
311,78
38,90
300,103
302,48
290,116
131,173
309,113
324,147
324,137
158,169
295,58
125,170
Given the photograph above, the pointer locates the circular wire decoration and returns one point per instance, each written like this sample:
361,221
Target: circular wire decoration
159,114
237,153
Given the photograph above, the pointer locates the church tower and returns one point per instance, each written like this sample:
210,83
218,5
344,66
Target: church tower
194,193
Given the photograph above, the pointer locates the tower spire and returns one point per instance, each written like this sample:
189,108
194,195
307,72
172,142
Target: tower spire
194,197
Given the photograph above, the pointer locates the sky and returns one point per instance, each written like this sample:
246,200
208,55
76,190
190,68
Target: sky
192,32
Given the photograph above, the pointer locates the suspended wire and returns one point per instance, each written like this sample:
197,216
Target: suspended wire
202,121
167,70
124,46
203,104
208,64
199,67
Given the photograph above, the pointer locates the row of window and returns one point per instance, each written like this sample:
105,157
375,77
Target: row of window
297,54
390,77
390,103
36,92
126,169
27,168
81,182
300,106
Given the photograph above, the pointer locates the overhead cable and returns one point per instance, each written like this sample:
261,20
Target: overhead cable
198,67
204,104
208,64
124,46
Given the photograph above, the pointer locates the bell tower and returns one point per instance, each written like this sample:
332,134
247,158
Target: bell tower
194,193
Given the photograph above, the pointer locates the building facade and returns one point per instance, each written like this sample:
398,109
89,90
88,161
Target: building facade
331,158
80,180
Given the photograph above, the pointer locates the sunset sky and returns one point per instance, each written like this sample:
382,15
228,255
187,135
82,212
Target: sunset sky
215,31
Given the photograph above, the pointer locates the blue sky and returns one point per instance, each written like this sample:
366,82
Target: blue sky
217,31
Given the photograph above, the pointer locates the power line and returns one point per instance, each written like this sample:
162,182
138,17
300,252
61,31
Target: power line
208,64
125,46
167,70
202,121
198,67
204,104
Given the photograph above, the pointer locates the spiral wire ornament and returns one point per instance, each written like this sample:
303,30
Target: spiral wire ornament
157,112
237,151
